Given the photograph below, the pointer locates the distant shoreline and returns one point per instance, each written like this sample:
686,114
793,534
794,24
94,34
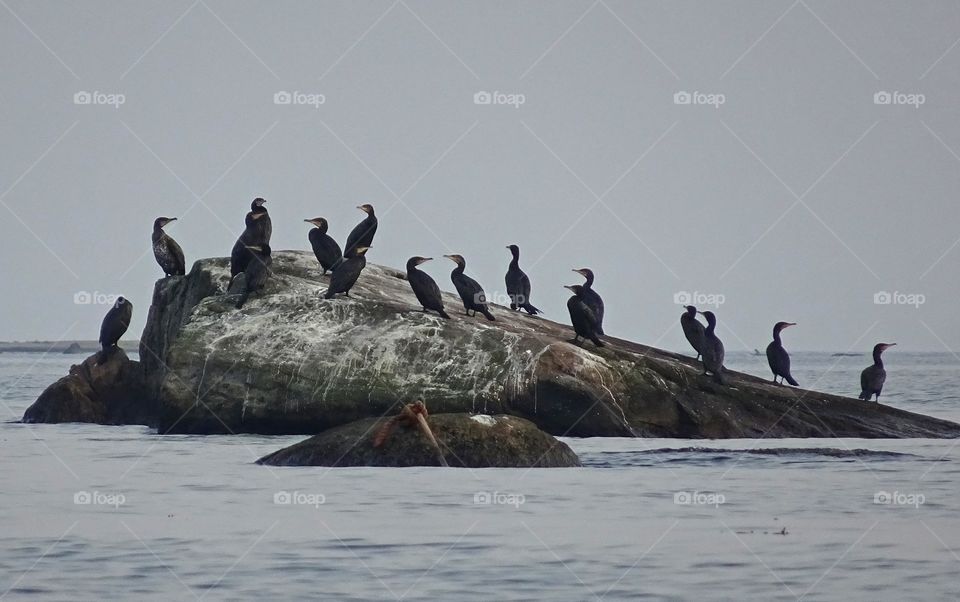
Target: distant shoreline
58,346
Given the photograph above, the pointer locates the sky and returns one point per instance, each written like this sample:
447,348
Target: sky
770,161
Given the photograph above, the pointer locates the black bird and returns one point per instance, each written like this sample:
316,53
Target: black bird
257,272
425,287
584,321
778,357
346,273
712,351
362,233
257,231
324,247
114,325
518,284
168,253
692,328
591,298
471,293
873,377
263,225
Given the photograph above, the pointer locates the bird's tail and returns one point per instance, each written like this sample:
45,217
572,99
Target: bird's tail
486,312
791,380
531,309
443,314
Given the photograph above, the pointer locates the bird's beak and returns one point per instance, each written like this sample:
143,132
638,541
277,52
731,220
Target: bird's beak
309,221
580,271
569,286
426,259
172,219
789,324
451,258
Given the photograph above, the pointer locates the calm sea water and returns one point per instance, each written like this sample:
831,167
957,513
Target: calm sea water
184,517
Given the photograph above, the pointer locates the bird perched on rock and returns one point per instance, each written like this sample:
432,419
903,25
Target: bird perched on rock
257,231
591,297
346,273
692,328
114,325
324,247
518,284
873,377
777,356
362,233
582,317
411,415
712,351
166,250
471,293
425,287
257,272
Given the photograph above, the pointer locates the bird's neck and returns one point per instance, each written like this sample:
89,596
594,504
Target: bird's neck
459,269
776,337
877,360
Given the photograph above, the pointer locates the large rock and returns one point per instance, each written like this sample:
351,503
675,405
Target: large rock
292,362
476,441
113,392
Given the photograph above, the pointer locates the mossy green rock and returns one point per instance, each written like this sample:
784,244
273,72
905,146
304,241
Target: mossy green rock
292,362
472,441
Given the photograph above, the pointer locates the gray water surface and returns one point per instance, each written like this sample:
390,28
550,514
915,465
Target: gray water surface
185,517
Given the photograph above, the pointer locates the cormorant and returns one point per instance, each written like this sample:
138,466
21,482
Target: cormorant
263,225
345,274
257,272
712,351
114,325
518,284
168,253
362,233
425,287
257,231
873,377
591,298
778,357
324,247
692,328
584,321
470,290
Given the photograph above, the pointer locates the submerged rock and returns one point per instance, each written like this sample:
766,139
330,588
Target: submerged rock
113,392
293,362
477,441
